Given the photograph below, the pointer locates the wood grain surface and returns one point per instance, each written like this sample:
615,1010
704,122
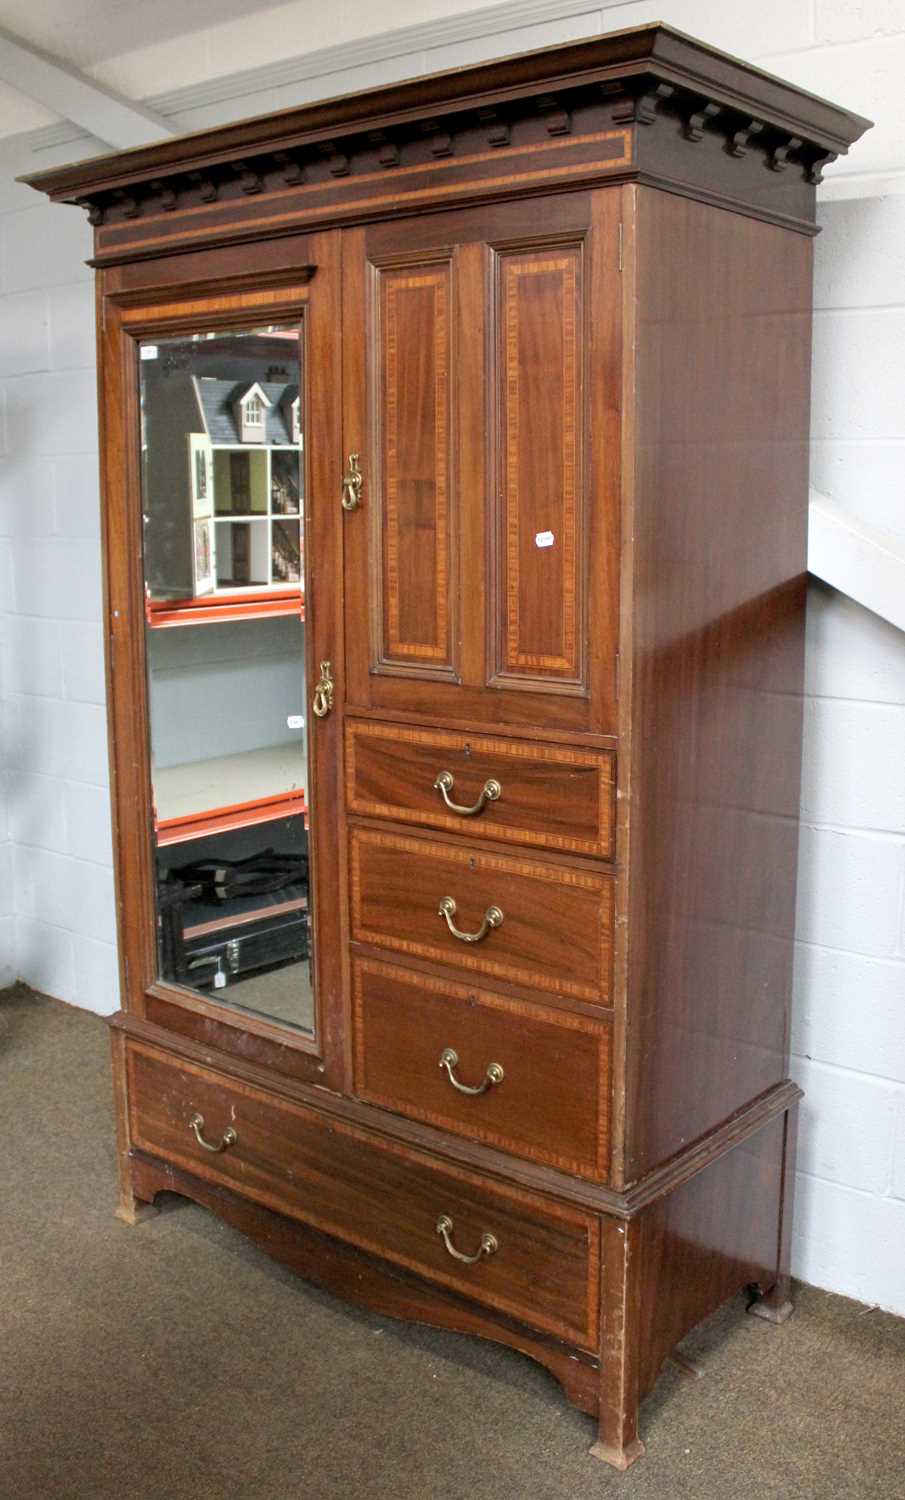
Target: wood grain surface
716,638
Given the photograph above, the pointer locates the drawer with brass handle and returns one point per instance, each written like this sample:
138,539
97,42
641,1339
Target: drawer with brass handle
523,1077
528,1256
540,925
518,791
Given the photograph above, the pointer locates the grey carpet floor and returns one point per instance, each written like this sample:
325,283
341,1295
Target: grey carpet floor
175,1360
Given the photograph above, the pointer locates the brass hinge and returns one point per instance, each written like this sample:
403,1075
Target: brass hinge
620,238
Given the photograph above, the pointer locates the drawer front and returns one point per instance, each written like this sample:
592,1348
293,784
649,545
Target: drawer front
549,795
374,1194
556,927
552,1101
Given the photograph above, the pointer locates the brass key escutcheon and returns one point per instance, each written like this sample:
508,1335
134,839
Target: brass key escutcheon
322,702
353,482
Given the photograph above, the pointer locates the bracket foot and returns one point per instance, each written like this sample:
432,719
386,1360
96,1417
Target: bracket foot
618,1458
771,1312
135,1212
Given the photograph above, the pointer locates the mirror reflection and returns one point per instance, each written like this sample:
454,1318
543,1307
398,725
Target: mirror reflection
223,505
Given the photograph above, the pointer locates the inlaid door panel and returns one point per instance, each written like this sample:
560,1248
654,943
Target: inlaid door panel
411,307
537,367
482,401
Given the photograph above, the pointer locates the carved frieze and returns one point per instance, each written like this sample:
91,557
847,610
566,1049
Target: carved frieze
740,139
302,167
694,124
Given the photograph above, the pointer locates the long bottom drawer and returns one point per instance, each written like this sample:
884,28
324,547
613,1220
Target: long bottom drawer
528,1256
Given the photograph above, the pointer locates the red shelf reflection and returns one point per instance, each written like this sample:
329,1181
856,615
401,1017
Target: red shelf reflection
225,819
167,613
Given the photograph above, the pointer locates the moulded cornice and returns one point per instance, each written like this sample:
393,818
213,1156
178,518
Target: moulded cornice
644,64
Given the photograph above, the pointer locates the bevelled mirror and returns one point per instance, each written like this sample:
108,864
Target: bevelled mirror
222,477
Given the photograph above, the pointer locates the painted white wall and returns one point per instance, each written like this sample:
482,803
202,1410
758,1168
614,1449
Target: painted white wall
849,1021
7,897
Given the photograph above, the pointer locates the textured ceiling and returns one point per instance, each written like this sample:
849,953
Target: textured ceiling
140,47
143,48
88,31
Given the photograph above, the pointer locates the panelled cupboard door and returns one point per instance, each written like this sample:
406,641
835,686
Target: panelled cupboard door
481,399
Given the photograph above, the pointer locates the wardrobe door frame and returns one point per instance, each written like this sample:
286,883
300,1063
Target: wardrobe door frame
469,688
129,311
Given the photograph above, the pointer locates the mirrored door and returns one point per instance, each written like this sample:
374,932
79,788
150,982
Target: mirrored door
223,501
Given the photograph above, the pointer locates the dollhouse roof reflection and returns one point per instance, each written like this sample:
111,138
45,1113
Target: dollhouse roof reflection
265,412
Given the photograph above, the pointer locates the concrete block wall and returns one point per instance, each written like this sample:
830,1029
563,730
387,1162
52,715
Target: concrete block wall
55,756
848,1034
7,889
849,1004
848,1018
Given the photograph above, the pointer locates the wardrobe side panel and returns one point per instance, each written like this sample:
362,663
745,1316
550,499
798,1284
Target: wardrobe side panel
722,362
703,1242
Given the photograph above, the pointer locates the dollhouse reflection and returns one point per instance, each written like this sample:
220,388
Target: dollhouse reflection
223,502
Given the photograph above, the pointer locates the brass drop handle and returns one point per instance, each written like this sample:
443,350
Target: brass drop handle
227,1139
493,917
489,1242
322,701
490,792
449,1060
353,480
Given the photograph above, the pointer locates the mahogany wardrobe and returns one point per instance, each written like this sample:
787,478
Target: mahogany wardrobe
454,462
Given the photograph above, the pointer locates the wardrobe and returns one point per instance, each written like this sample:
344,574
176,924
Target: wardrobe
454,451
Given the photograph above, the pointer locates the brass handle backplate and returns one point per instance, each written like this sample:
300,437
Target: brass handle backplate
489,1242
449,1060
322,702
493,917
228,1138
490,792
353,480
